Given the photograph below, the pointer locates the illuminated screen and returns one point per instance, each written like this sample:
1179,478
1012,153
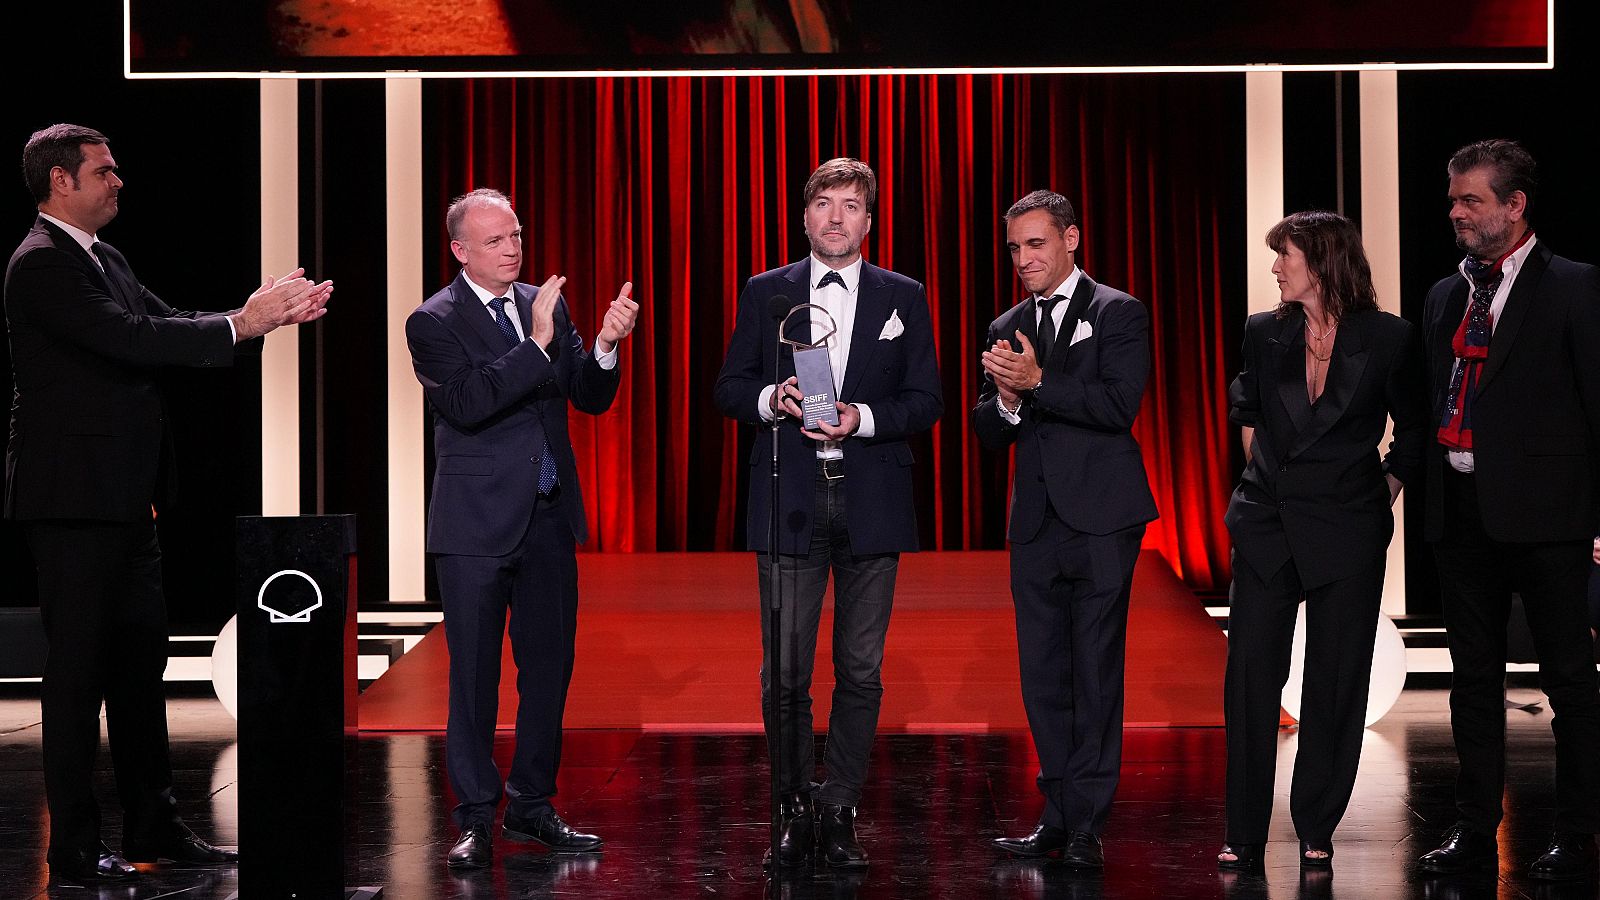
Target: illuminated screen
556,37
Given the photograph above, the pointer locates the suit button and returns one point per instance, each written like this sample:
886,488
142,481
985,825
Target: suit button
1283,468
883,457
1038,477
1282,504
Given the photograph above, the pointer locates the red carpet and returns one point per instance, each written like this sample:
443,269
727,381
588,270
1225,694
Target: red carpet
671,641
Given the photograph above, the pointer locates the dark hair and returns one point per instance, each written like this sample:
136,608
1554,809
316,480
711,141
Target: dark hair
1059,208
460,206
1511,168
1332,247
58,145
838,173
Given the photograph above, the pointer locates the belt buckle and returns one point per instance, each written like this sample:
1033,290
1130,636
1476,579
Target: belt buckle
832,466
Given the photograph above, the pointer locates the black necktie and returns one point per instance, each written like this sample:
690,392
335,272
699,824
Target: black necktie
1047,327
831,278
99,251
547,460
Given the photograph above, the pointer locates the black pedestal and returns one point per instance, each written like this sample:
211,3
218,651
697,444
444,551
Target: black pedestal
297,702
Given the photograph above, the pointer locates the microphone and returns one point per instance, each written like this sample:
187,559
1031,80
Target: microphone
778,307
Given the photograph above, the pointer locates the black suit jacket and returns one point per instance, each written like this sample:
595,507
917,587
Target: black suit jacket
89,438
1075,442
493,408
1536,416
898,378
1314,488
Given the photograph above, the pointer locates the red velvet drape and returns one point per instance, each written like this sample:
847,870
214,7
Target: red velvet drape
687,186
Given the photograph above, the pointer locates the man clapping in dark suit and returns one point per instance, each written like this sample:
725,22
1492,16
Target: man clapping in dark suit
1063,377
1513,351
499,361
846,499
90,456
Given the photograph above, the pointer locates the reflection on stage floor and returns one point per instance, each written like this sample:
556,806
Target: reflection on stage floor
684,815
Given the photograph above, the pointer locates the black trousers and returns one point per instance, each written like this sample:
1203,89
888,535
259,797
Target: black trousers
1341,624
863,596
536,586
105,619
1070,591
1478,576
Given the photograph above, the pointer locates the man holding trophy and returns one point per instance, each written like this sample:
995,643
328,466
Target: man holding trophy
844,499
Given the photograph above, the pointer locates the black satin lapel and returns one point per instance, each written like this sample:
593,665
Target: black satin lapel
1345,369
1076,307
1288,355
872,313
116,275
1028,324
1514,312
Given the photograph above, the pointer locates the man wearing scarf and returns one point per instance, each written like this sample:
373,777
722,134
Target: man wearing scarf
1513,500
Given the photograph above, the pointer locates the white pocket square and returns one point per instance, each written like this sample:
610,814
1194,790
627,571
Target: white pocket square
1084,331
892,328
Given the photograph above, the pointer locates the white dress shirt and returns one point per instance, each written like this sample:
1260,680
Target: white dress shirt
840,302
1461,460
1057,313
607,360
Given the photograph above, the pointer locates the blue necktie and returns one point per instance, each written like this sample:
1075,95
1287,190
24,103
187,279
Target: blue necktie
547,460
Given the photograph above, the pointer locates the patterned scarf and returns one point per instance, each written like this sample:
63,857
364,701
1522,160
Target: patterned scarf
1471,346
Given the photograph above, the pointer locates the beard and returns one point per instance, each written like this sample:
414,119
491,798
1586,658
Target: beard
823,252
1488,239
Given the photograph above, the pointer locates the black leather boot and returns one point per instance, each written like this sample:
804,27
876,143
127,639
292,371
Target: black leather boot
839,845
796,831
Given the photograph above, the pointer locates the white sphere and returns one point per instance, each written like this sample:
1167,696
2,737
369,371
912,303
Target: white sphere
1388,669
225,667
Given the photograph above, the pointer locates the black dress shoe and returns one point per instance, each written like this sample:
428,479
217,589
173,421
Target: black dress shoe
1463,850
184,849
548,830
840,848
97,864
1042,841
796,831
1570,857
473,850
1083,851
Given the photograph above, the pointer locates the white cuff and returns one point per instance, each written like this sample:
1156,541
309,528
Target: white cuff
764,403
868,426
1011,416
608,359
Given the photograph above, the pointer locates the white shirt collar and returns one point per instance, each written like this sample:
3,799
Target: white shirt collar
850,275
483,293
84,238
1065,288
1513,262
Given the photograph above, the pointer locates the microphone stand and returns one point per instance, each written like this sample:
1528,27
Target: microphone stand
774,590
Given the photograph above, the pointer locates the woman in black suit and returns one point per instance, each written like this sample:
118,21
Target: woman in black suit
1311,520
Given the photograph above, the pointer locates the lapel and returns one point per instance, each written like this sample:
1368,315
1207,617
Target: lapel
873,299
64,241
1287,352
522,298
1349,361
1515,311
1450,316
1069,321
478,318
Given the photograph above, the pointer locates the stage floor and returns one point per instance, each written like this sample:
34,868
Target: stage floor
683,816
672,642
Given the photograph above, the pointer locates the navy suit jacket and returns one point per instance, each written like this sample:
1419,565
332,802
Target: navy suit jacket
89,438
898,379
1314,488
1075,442
1536,416
493,408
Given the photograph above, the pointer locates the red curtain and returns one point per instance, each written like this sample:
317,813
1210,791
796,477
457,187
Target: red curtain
688,186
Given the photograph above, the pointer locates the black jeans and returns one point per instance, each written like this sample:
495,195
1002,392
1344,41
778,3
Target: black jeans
863,597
